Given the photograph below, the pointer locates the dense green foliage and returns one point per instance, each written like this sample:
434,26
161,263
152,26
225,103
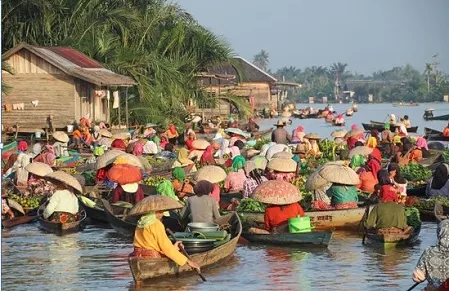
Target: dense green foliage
413,218
415,172
155,42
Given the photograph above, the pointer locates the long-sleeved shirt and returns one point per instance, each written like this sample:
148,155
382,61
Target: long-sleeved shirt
153,237
201,209
281,136
386,215
279,215
61,201
234,181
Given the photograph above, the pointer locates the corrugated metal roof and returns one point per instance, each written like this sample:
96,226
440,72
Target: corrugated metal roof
74,56
59,58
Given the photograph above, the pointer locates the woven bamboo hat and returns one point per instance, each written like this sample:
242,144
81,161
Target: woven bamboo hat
105,133
65,178
338,134
251,153
361,150
280,123
276,148
315,181
130,160
338,173
312,136
282,165
61,136
283,155
39,169
300,149
107,158
213,174
154,203
354,132
277,193
200,144
122,135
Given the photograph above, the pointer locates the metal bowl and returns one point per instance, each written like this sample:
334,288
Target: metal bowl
202,227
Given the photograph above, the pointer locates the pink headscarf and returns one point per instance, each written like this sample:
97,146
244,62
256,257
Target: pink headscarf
354,127
137,149
341,116
299,129
22,146
421,143
235,151
215,193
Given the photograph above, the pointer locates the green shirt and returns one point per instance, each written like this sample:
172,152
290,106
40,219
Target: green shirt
342,194
386,215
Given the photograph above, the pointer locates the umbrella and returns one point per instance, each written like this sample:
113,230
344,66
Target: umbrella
337,173
315,181
282,165
39,169
237,131
132,160
339,133
200,144
354,132
283,155
65,178
277,193
276,148
213,174
61,136
154,203
107,159
361,150
105,133
124,174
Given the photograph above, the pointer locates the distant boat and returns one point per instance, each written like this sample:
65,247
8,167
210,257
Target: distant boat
400,104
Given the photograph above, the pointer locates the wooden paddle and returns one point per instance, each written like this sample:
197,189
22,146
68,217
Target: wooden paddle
183,251
413,286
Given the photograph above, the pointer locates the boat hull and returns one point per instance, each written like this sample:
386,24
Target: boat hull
314,238
123,227
145,269
441,117
9,223
380,126
62,228
95,214
393,239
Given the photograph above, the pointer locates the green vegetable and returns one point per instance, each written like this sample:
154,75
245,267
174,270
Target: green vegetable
413,218
414,172
250,205
429,204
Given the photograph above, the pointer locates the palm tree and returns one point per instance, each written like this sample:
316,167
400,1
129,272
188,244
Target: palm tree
428,72
261,60
338,71
6,67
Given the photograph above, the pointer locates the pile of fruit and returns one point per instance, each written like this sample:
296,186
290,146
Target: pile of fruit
155,162
412,184
429,204
328,147
413,218
26,202
415,172
250,205
153,180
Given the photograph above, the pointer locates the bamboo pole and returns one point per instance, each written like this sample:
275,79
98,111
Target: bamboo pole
126,106
119,115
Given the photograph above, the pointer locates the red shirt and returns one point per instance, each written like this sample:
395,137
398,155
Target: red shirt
275,216
120,195
189,144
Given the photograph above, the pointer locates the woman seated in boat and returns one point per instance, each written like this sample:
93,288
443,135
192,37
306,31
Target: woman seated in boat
433,266
368,181
149,131
392,119
131,193
82,136
252,126
63,205
386,135
420,152
201,207
127,177
340,120
184,162
406,121
330,117
298,135
277,216
236,178
182,186
60,144
343,196
190,139
255,177
172,134
207,158
446,131
439,184
169,152
47,156
17,163
387,214
151,241
118,144
312,148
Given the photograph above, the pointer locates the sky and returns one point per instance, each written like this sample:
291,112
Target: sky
368,35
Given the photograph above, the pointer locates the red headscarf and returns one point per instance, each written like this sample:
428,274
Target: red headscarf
299,129
208,156
22,146
137,149
388,194
172,129
118,144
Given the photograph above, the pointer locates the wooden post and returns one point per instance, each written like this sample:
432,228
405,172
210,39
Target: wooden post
119,115
126,107
108,106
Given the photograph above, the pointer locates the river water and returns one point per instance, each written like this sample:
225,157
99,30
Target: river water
95,259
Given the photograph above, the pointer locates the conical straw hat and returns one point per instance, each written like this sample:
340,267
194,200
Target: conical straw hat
340,174
361,150
315,181
154,203
339,133
237,131
122,135
107,158
276,148
65,178
312,136
200,144
277,193
39,169
61,136
132,160
283,155
282,165
213,174
354,132
260,162
105,133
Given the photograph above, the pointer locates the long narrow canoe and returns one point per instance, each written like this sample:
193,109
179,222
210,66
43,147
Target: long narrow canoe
441,212
393,239
94,213
9,223
62,228
345,219
314,238
145,269
441,117
429,131
118,223
380,126
418,190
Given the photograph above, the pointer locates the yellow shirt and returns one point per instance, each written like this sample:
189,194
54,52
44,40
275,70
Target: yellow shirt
153,237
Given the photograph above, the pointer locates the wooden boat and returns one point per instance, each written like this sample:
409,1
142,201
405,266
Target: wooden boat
340,124
441,117
94,213
261,134
405,104
62,228
118,222
392,239
145,269
9,223
307,116
380,126
435,135
345,219
314,238
418,191
430,131
441,212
